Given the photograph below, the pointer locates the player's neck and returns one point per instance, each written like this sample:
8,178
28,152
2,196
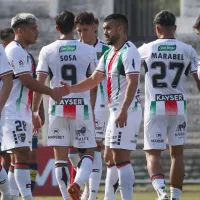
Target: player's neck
118,44
166,36
21,42
93,41
69,36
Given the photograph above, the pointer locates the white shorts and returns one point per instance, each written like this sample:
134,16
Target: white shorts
68,132
16,133
158,129
101,121
126,137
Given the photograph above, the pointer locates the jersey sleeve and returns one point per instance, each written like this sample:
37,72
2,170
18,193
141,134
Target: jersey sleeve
194,61
131,61
101,65
19,62
143,51
5,68
42,66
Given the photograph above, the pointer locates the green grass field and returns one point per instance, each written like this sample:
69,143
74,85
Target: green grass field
191,192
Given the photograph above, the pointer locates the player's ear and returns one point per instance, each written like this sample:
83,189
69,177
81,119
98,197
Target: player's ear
57,28
175,27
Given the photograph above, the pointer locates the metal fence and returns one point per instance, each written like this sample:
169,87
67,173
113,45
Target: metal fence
140,14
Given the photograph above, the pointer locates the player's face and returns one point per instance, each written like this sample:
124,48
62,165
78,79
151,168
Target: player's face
197,31
86,32
111,32
30,33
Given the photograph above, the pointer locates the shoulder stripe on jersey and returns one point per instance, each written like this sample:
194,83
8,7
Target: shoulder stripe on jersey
128,44
145,66
42,72
5,73
22,73
132,73
100,71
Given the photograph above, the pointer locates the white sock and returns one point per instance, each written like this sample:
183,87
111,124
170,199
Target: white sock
14,191
23,180
84,169
62,177
29,197
112,182
95,176
4,186
175,193
158,182
126,180
74,156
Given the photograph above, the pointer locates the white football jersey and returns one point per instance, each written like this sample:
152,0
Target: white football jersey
167,63
19,102
102,97
116,65
70,61
5,69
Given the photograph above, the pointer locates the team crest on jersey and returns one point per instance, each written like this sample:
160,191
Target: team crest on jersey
21,63
22,137
99,54
67,48
167,48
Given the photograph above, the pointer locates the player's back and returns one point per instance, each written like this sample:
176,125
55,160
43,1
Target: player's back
70,61
167,63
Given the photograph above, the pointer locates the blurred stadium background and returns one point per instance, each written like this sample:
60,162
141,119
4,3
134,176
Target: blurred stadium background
140,14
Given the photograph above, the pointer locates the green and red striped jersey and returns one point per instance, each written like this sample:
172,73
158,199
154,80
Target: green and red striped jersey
117,65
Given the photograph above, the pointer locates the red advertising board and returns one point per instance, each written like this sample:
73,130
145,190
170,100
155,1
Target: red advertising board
46,183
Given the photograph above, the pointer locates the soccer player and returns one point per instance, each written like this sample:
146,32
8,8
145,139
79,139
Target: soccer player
167,63
5,89
87,28
196,26
17,132
6,36
121,66
70,122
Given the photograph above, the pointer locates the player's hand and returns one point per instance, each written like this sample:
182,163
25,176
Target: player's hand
121,119
37,123
65,89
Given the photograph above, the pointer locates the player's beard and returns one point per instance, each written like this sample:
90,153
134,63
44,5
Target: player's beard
112,40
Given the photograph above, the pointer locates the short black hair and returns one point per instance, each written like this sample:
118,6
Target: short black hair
65,22
96,21
165,18
197,23
118,17
5,34
85,18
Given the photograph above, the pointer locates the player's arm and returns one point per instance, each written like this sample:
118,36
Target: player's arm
194,69
6,77
41,113
132,62
6,89
132,84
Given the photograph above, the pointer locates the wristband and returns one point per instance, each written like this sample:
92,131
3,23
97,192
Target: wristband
35,113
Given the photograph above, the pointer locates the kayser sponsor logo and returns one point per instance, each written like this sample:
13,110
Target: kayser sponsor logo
169,97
